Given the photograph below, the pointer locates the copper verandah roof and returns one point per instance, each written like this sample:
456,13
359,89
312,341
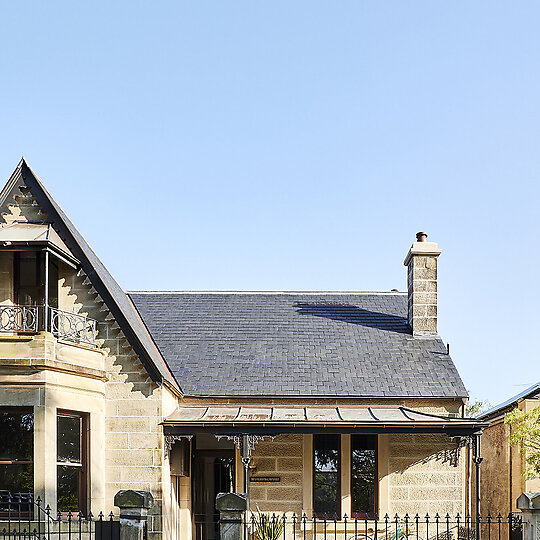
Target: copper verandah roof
279,419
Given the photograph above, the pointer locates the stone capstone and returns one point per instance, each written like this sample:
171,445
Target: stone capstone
231,502
529,501
129,498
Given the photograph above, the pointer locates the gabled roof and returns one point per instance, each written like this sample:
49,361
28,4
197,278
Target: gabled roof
533,392
281,344
296,345
112,294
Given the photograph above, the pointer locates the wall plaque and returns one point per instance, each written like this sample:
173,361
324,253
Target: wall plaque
264,478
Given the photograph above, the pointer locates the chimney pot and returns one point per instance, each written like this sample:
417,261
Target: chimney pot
421,236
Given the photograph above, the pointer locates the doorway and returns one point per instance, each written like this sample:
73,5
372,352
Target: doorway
213,473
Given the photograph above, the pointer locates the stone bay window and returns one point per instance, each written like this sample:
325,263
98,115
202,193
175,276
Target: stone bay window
32,255
50,350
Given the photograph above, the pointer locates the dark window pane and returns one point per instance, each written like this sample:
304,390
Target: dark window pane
68,483
17,478
363,473
326,453
326,473
28,269
29,274
325,493
69,438
30,297
17,439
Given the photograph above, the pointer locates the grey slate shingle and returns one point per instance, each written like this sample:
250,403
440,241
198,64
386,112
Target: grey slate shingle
296,344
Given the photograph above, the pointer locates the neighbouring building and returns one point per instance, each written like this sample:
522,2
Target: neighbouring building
502,480
325,403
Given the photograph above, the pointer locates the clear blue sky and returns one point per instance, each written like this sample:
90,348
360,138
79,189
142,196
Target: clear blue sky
296,145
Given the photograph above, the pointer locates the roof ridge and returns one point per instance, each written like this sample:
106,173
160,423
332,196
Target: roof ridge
225,291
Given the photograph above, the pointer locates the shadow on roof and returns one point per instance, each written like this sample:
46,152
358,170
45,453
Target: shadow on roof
350,314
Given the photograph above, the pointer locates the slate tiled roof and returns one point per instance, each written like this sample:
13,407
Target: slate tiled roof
296,344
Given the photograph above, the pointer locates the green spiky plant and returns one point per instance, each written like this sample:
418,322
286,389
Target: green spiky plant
267,527
526,433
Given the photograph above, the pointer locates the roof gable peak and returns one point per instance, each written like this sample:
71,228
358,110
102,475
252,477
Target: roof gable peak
25,191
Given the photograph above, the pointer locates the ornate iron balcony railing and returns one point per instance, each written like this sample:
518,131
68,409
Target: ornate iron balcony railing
72,326
64,325
19,319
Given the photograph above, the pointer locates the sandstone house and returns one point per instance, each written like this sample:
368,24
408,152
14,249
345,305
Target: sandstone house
335,404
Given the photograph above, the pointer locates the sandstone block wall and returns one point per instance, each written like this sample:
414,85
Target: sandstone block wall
417,474
133,404
426,473
281,457
422,298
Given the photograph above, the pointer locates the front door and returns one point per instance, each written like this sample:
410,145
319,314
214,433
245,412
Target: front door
213,473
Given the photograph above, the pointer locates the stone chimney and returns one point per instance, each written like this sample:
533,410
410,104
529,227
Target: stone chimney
421,263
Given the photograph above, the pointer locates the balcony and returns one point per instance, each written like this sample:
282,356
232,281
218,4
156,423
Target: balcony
72,327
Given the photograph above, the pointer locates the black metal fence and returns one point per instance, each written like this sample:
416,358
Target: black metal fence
291,527
23,518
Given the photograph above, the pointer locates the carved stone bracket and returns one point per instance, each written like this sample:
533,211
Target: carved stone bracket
171,439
